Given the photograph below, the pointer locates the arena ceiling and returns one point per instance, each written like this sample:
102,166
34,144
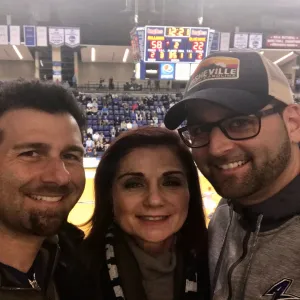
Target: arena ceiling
104,22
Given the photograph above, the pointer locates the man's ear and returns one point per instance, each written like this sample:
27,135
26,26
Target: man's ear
291,117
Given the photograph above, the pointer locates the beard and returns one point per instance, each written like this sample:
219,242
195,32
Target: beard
46,223
258,176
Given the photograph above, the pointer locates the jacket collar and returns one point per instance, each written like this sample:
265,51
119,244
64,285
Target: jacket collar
276,210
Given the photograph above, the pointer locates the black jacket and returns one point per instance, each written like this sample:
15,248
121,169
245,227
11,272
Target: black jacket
52,264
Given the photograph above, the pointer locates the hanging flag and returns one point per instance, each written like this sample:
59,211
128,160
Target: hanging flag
241,41
3,35
41,36
72,37
14,35
56,36
255,41
225,41
29,36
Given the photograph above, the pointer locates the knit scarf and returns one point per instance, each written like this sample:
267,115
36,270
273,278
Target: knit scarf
191,284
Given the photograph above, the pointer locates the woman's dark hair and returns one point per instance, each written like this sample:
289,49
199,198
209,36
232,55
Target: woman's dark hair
193,233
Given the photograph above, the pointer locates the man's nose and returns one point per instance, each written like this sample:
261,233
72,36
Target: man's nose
219,144
56,172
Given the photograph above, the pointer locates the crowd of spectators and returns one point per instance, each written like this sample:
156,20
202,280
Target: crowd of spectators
109,115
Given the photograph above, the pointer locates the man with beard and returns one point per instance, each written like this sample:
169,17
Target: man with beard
41,179
244,130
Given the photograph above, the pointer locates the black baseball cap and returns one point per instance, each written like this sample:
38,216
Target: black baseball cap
244,82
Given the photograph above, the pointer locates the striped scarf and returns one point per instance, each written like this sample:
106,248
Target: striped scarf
191,284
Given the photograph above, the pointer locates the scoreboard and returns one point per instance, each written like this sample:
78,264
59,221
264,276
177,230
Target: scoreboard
175,44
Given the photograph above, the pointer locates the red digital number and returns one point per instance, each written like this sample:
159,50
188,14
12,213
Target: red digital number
152,55
156,45
198,46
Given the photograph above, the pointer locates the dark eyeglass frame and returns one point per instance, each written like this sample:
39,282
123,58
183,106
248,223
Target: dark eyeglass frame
209,126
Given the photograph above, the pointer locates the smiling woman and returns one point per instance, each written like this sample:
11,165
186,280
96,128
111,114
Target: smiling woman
148,228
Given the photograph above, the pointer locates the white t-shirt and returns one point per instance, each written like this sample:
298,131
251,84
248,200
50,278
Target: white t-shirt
129,125
90,130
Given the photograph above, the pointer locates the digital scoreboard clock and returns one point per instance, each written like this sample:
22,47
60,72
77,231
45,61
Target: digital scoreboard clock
175,44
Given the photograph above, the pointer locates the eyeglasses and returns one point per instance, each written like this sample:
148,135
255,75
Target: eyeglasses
236,128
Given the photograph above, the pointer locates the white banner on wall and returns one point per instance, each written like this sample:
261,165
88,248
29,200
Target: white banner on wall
14,35
72,37
241,40
3,35
41,36
56,36
225,41
255,41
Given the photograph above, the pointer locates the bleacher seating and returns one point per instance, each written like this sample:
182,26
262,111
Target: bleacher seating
111,114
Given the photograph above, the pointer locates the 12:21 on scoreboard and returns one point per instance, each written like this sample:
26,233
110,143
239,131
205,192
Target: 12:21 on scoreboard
175,44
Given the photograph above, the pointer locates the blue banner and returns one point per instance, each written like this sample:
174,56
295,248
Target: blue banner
215,44
29,36
167,71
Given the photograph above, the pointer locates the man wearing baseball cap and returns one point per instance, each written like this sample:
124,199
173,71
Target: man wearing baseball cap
244,130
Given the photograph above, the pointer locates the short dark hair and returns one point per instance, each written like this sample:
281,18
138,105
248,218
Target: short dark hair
47,97
193,233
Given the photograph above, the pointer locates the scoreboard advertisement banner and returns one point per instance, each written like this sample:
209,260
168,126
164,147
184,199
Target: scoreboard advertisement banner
165,44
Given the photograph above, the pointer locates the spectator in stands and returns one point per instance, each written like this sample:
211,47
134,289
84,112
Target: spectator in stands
163,110
135,106
113,132
111,84
127,112
150,101
129,125
117,121
84,135
155,120
123,125
95,106
106,146
95,153
90,143
134,124
148,116
166,102
90,132
89,108
89,152
125,105
146,261
99,146
96,136
158,110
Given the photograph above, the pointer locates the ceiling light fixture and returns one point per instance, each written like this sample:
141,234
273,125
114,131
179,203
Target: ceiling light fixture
18,52
93,54
126,55
283,58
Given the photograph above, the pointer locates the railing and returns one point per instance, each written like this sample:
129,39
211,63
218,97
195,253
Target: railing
122,86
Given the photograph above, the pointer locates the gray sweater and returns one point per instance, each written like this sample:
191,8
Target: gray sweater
257,263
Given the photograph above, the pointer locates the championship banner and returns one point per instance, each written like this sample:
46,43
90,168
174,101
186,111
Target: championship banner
215,43
29,36
56,36
225,41
72,37
41,36
141,36
241,40
283,42
15,35
3,35
255,41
